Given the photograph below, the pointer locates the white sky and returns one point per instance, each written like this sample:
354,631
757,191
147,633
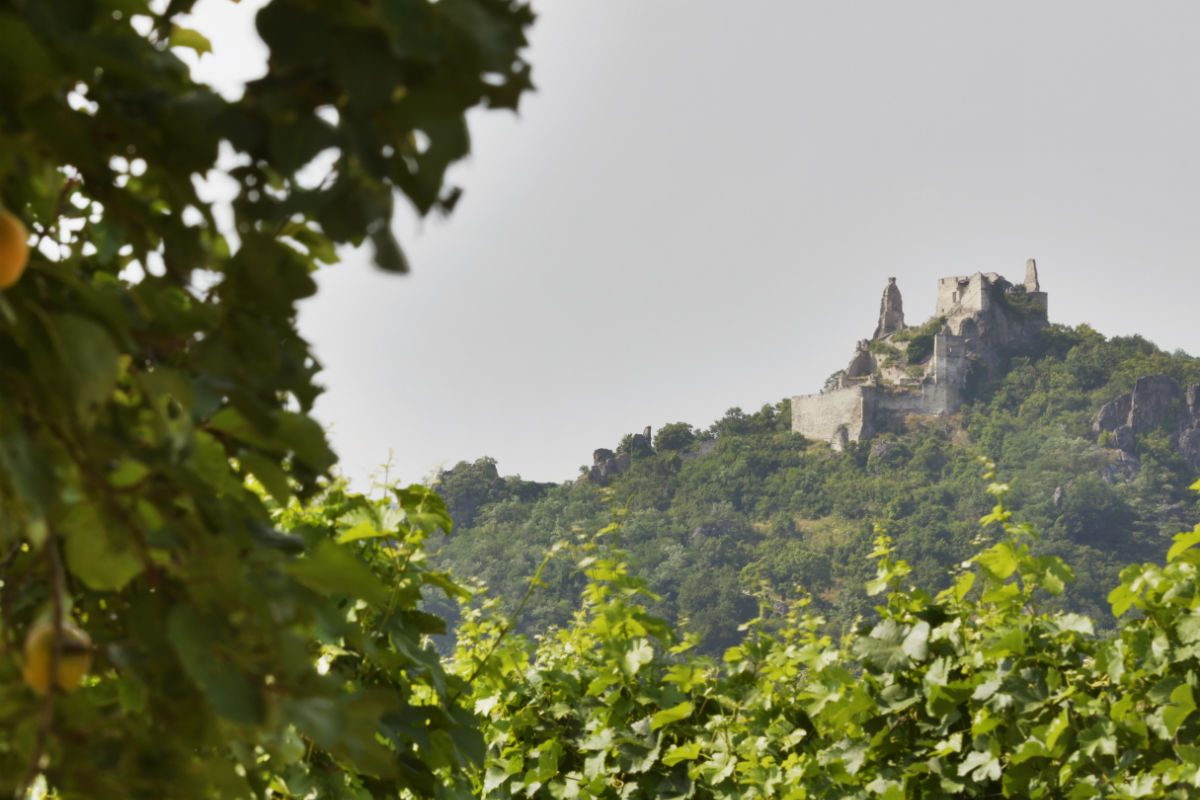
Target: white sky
702,203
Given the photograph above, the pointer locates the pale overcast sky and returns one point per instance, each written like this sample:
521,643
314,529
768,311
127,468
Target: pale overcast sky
702,203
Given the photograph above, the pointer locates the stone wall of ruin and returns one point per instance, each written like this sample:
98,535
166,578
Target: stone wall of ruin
820,416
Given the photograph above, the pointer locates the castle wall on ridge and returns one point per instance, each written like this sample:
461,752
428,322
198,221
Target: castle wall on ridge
834,416
882,385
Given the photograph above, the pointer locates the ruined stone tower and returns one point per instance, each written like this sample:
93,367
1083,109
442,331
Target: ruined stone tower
924,369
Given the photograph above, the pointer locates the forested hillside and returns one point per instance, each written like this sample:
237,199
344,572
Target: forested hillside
720,518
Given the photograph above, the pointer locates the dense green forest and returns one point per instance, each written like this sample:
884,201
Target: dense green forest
718,519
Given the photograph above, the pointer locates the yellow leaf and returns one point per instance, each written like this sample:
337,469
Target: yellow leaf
193,40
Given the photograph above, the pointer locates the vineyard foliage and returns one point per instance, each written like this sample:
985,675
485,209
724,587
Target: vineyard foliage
975,691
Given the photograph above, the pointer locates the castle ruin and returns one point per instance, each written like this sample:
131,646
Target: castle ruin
925,369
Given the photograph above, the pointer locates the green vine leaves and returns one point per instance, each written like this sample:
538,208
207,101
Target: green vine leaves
155,382
971,692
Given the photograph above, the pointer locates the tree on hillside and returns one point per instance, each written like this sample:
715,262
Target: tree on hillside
675,436
154,379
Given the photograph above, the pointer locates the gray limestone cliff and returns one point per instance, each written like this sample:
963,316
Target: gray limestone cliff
925,369
891,311
1157,402
607,465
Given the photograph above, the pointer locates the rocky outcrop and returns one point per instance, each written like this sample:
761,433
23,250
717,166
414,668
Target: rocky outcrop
863,363
1189,447
1112,414
640,443
1123,439
891,311
1157,402
607,465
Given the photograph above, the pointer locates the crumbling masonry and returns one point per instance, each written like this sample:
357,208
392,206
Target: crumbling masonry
923,370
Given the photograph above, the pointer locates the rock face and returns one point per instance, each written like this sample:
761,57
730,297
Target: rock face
1113,414
863,363
1189,447
1124,440
1156,402
1155,399
891,311
607,465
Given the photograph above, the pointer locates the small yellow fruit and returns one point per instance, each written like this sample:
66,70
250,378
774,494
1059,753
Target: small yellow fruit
74,658
14,249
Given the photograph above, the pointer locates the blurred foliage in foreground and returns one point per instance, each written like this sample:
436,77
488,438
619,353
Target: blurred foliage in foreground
152,368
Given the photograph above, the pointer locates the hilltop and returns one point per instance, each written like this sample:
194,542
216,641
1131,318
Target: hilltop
1096,436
